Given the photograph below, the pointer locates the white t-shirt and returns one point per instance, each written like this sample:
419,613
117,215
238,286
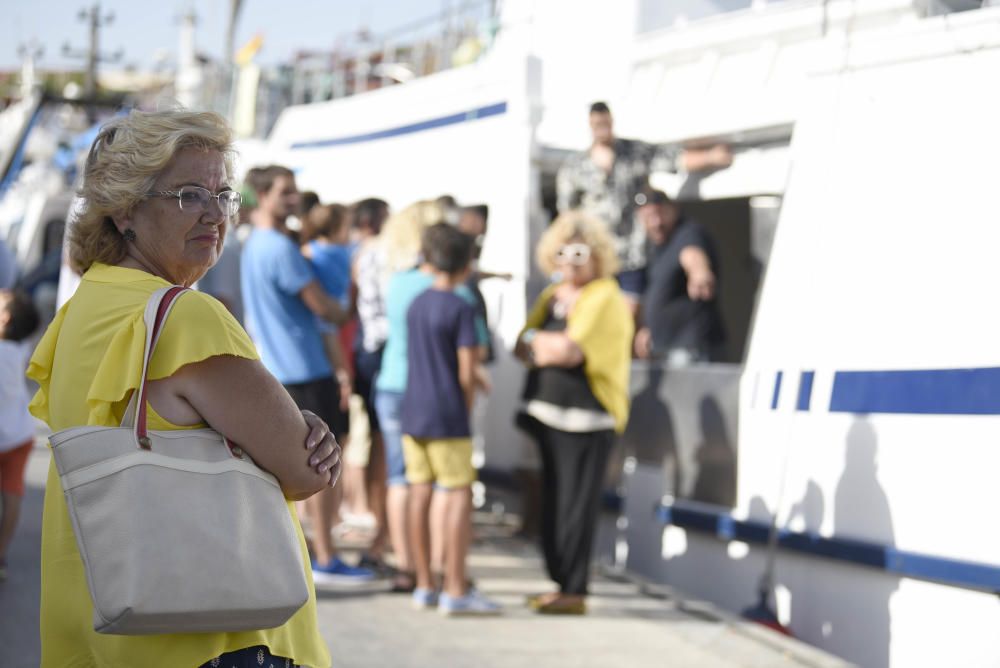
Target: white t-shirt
16,424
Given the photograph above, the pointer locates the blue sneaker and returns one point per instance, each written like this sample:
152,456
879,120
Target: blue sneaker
337,572
424,599
472,604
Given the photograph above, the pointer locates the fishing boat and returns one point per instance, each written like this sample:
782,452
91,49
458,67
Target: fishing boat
843,454
856,415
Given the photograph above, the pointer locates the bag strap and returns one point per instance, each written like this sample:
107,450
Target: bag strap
157,309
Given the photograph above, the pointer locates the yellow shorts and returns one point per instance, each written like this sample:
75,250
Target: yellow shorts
445,461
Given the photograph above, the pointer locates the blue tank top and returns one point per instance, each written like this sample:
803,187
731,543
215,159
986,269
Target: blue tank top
332,263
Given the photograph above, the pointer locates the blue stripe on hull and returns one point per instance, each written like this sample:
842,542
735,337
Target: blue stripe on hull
805,390
943,570
921,392
421,126
777,390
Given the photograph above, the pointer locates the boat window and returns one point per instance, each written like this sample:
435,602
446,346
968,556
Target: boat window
655,15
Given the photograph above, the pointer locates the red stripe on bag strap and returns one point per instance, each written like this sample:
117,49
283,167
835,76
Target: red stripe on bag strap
161,312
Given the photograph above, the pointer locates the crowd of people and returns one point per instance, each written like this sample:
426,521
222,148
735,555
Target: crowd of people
356,301
326,291
361,332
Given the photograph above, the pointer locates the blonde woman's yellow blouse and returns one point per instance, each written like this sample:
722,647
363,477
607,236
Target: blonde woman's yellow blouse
86,366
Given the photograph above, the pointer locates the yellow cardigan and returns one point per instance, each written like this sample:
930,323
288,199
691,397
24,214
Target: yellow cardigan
602,325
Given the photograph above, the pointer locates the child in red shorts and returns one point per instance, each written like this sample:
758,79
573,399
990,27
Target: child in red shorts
18,321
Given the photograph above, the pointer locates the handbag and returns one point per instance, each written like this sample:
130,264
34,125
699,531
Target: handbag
179,531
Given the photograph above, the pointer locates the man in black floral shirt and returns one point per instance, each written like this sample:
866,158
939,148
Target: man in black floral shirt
604,180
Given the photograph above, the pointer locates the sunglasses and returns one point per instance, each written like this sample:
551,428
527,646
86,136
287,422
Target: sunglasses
575,254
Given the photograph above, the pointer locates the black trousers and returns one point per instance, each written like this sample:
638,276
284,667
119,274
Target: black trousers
573,468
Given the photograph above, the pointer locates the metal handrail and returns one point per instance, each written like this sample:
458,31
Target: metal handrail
888,558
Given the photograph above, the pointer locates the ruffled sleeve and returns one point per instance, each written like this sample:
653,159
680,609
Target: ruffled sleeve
40,367
197,328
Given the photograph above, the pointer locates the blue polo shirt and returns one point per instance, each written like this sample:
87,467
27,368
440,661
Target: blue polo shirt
273,272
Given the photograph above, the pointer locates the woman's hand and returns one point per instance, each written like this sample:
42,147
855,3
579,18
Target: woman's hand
324,450
643,343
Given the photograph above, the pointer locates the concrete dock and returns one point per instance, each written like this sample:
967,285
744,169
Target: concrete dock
629,624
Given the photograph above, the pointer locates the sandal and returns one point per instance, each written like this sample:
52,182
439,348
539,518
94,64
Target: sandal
563,606
403,582
535,601
376,564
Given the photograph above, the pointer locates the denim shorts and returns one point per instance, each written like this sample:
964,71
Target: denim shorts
389,406
366,366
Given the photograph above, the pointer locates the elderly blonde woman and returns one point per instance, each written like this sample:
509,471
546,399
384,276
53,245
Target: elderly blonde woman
157,199
576,343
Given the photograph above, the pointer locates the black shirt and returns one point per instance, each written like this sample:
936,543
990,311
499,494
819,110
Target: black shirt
673,318
567,388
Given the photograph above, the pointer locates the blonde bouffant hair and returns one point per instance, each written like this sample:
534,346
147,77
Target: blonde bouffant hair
573,226
125,159
403,231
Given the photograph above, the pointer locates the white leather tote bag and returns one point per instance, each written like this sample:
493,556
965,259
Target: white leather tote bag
179,531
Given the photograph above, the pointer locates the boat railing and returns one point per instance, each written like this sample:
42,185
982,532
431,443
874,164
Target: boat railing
723,525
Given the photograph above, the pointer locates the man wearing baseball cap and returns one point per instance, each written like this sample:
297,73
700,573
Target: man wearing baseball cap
679,315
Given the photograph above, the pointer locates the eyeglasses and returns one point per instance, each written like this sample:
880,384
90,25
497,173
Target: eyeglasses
194,199
576,254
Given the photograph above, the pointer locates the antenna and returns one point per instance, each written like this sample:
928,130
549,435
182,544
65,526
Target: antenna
95,20
29,52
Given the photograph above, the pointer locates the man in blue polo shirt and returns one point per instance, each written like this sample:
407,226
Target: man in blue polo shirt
282,298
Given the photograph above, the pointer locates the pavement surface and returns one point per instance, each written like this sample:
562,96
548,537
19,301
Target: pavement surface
628,624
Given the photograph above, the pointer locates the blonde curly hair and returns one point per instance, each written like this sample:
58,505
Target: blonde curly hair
572,226
123,164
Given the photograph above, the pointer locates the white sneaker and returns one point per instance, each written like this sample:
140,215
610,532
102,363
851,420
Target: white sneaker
472,604
424,599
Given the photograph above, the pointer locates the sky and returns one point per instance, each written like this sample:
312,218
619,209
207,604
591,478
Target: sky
146,29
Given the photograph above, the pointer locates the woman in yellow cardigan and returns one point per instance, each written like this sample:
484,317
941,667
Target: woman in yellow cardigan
577,344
